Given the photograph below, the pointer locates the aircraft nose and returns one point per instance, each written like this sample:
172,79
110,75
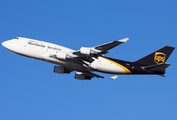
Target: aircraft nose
8,44
5,44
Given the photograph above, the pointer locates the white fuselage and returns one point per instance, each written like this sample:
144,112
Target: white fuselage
44,51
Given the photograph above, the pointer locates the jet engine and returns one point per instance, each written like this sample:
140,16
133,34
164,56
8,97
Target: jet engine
81,76
87,51
63,56
60,69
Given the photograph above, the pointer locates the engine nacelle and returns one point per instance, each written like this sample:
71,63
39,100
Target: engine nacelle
63,56
60,69
87,51
81,76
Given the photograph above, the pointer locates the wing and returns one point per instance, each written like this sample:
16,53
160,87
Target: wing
85,75
98,50
86,55
110,45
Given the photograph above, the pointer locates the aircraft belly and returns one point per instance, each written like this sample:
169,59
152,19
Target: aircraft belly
108,66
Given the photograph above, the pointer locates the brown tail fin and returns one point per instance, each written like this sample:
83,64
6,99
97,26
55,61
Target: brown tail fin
158,57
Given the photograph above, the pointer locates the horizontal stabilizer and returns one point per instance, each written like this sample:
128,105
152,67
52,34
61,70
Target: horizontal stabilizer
113,77
157,67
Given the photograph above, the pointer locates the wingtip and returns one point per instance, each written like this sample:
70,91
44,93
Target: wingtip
162,75
123,40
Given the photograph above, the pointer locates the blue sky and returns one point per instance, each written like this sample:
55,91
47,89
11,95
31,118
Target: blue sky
29,90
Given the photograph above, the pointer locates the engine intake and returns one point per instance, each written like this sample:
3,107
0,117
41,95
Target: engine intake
60,69
81,76
87,51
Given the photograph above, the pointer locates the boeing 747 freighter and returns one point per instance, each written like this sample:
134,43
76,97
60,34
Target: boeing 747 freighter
89,59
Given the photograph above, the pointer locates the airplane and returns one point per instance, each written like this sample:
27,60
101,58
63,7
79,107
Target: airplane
90,59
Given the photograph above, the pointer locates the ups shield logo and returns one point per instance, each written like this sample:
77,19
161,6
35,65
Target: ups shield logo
159,57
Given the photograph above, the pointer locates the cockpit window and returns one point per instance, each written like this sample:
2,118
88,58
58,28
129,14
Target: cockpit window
16,38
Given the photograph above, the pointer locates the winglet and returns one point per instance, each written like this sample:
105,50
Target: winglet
113,77
123,40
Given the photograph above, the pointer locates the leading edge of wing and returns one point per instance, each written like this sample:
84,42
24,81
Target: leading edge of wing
90,74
